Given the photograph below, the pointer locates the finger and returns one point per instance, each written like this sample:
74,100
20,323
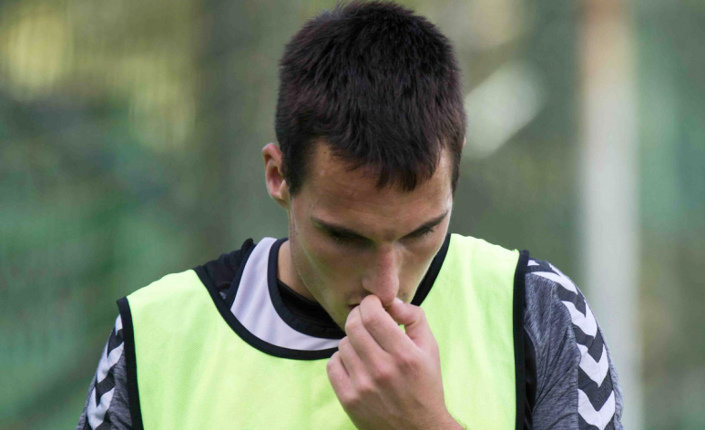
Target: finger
338,376
365,346
382,327
351,359
414,321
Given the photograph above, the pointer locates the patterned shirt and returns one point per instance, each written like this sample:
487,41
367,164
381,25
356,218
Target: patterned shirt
570,380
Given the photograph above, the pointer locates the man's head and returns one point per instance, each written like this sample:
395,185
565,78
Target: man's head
370,125
379,85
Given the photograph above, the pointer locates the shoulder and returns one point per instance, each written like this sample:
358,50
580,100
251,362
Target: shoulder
219,273
553,302
216,275
574,374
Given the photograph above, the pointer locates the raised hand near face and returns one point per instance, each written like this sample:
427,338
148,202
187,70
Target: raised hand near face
386,378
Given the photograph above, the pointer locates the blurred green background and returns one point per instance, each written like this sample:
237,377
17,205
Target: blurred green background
130,134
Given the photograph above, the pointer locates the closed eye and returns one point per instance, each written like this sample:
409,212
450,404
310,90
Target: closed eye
424,231
342,236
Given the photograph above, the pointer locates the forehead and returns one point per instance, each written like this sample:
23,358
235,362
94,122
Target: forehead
335,192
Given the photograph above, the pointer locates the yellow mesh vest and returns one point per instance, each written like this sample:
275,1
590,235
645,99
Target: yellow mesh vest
193,371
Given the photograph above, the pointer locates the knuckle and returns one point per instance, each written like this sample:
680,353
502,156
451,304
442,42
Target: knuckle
420,314
382,373
344,343
344,348
364,388
409,363
349,399
330,367
353,322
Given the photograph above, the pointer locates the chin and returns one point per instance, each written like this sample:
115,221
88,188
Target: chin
341,319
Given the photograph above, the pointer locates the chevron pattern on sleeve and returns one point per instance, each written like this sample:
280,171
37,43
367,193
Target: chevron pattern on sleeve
102,393
596,396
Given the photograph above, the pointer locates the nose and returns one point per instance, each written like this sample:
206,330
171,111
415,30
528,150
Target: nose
382,279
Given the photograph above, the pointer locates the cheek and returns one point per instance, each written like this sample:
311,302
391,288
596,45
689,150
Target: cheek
417,260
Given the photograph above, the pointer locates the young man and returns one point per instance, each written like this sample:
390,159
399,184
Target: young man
305,332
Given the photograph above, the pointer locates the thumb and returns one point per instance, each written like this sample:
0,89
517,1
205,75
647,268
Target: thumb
414,321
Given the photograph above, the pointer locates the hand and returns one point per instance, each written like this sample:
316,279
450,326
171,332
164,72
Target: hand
386,378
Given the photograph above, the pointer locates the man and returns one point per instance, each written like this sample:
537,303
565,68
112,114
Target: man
305,332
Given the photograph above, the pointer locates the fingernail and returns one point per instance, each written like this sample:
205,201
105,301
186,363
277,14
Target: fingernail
398,300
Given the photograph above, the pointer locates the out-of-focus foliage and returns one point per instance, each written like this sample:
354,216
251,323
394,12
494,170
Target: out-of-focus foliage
129,148
672,116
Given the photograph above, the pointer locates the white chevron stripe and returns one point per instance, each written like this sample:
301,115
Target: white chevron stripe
559,278
108,361
596,370
586,322
600,418
532,263
118,324
96,412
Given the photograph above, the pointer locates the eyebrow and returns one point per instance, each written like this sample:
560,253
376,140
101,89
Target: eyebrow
344,231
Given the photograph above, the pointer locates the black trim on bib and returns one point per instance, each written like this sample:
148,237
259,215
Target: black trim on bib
225,268
519,307
431,274
258,343
131,362
305,327
224,306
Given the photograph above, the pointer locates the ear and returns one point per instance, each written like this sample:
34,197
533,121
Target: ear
277,187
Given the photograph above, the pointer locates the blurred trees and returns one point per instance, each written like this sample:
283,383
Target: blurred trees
672,89
129,148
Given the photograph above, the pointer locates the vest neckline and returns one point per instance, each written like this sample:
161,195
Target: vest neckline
310,328
264,321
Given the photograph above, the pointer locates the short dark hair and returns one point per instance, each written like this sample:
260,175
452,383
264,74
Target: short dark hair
379,85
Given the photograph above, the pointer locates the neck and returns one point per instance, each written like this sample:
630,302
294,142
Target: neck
287,273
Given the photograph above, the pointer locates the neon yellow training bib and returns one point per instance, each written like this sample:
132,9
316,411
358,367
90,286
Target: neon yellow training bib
193,364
